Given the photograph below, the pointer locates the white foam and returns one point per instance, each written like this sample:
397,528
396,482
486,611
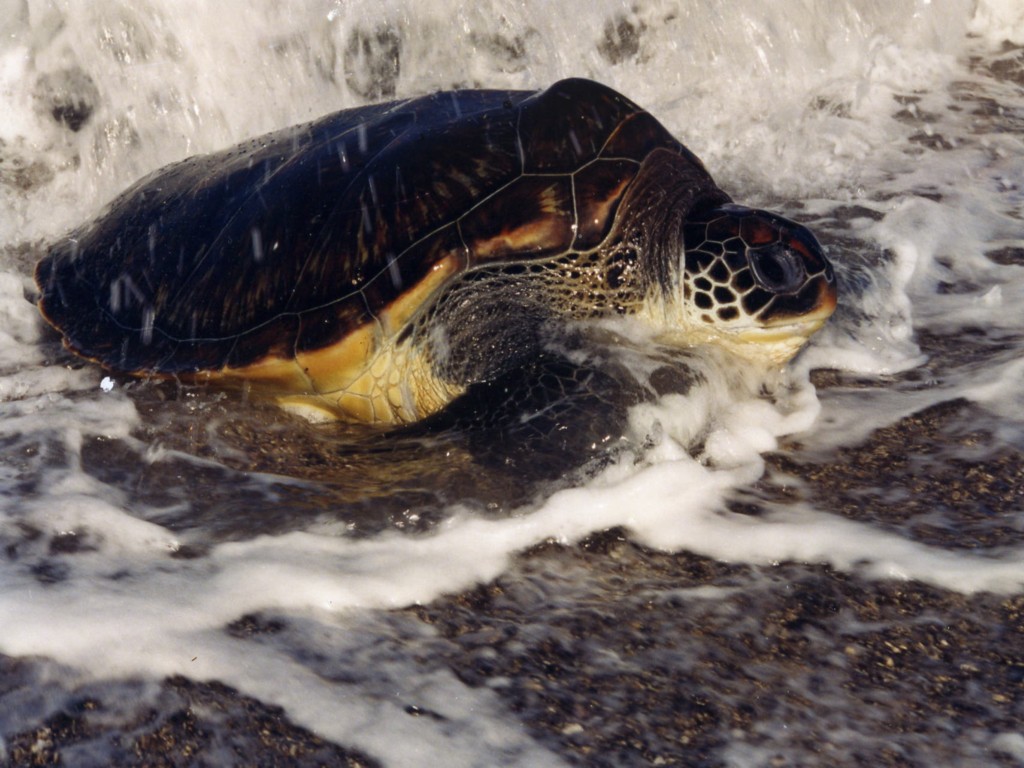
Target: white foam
782,103
1010,744
999,21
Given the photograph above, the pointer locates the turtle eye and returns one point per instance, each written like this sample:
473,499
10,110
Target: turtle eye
777,268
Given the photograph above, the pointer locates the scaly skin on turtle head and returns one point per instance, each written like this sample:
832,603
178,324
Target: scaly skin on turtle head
751,281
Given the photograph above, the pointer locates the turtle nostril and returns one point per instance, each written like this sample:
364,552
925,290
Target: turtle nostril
777,268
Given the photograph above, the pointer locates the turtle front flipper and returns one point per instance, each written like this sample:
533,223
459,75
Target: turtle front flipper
546,417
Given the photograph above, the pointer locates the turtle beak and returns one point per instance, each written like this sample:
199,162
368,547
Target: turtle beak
814,299
805,294
805,285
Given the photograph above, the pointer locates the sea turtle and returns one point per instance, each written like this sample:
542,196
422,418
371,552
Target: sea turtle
376,262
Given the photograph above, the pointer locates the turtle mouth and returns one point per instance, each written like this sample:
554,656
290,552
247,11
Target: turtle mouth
796,329
826,301
802,328
775,342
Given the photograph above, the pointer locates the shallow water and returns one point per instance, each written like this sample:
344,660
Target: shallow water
821,567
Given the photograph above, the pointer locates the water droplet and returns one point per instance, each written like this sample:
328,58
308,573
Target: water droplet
574,140
373,190
146,333
393,271
257,244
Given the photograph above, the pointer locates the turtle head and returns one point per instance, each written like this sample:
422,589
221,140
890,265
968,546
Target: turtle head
754,281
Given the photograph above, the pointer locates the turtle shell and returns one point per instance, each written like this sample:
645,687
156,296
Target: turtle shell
328,238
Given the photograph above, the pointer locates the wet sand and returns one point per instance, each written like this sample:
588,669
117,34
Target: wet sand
611,654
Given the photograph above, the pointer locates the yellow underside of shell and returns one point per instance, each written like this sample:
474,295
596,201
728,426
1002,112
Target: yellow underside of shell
395,384
366,376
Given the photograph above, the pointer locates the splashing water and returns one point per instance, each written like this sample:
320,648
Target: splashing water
753,559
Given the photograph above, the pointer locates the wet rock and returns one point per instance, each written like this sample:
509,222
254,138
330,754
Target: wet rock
69,96
187,723
372,62
621,39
